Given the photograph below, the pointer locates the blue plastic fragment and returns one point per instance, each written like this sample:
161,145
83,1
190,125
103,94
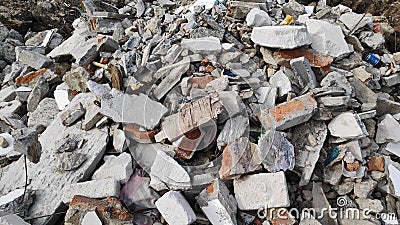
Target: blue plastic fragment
332,155
229,73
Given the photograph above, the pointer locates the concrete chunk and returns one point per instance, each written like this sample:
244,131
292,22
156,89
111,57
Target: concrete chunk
388,130
175,209
117,167
258,18
302,69
253,192
92,189
12,220
38,92
44,114
283,37
206,45
71,115
327,38
347,125
34,59
7,94
26,142
289,114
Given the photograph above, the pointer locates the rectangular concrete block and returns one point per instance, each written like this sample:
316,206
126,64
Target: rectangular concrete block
283,37
175,209
93,189
34,59
263,190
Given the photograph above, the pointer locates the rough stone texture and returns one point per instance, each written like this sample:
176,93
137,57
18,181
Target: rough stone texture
7,94
347,125
117,167
258,18
92,116
93,189
364,189
139,109
12,220
388,130
217,204
175,209
374,205
38,92
34,59
26,142
7,109
253,192
327,38
48,183
70,160
281,82
44,114
302,69
283,37
289,114
70,116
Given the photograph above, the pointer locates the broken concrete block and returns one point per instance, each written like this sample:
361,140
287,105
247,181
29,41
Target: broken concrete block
38,92
283,37
175,209
7,109
327,38
17,202
347,125
146,112
92,189
26,142
70,160
217,204
253,192
289,114
387,106
62,98
334,101
92,116
354,21
258,18
387,130
235,128
44,114
71,115
81,205
7,94
374,205
391,80
120,142
335,79
281,82
91,218
374,40
320,202
12,220
364,188
139,134
363,93
117,167
303,71
206,45
34,60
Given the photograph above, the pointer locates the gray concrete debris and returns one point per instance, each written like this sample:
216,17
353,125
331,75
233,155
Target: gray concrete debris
175,209
70,116
39,91
374,205
26,142
206,45
303,71
34,60
117,167
70,160
327,38
119,107
387,130
217,204
347,125
253,192
7,109
320,202
44,114
93,189
12,220
281,82
91,218
283,37
258,18
120,142
235,128
92,116
7,94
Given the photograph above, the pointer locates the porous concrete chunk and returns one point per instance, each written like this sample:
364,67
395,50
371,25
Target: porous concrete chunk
175,209
289,114
26,142
337,80
347,125
34,59
44,114
117,167
281,82
49,183
206,45
71,115
92,189
327,38
70,160
374,205
388,130
217,204
364,188
7,94
391,80
283,37
12,220
302,69
258,18
38,92
7,109
91,218
138,109
253,192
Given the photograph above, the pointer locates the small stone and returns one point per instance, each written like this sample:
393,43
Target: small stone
3,142
39,91
376,163
283,37
44,114
374,205
258,18
352,166
70,160
347,125
253,192
34,60
26,142
91,218
71,115
117,167
119,141
378,176
207,45
388,130
175,209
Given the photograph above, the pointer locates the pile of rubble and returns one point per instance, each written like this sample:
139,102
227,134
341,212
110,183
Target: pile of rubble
204,112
